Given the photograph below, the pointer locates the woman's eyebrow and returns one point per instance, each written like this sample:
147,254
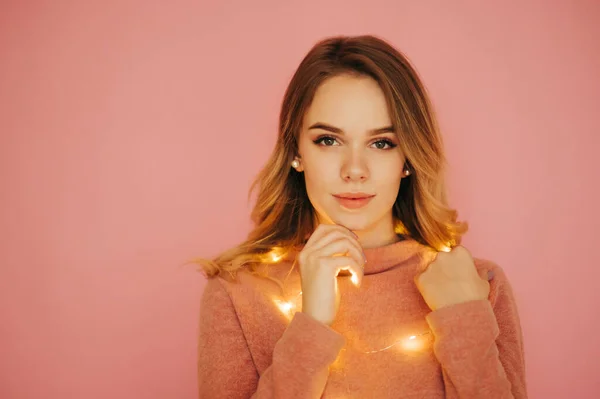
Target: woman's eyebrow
333,129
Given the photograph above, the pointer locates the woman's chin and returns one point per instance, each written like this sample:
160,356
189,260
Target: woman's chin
355,222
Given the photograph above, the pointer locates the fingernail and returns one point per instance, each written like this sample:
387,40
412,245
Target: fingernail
365,257
490,274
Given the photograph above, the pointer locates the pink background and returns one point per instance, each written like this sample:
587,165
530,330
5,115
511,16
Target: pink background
129,133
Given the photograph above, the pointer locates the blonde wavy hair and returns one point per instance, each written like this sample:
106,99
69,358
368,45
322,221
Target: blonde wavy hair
283,215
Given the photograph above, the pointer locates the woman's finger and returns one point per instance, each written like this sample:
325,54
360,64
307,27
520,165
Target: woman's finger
325,233
341,247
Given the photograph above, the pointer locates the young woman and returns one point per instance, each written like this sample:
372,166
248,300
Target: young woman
353,283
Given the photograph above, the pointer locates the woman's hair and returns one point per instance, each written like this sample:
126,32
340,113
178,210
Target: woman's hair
283,215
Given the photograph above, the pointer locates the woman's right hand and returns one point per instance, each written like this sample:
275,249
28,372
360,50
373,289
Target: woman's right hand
329,250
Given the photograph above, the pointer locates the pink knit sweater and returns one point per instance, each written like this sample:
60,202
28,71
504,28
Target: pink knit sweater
384,343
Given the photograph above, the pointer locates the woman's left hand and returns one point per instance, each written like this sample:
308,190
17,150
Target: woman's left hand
451,279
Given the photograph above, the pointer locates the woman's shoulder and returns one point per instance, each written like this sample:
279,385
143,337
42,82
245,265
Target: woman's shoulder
485,265
500,286
490,268
263,279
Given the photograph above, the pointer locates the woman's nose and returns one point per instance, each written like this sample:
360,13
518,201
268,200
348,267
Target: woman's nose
354,167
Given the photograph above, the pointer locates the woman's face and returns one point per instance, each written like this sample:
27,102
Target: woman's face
347,149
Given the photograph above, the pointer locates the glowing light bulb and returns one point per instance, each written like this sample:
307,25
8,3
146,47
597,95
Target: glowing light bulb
275,254
285,307
413,343
289,307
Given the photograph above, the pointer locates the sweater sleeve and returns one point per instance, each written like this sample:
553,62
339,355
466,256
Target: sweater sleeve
480,345
226,369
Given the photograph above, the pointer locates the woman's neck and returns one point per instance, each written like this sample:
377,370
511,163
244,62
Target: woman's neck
376,239
379,234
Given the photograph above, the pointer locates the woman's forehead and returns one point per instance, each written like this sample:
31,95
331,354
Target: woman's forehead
354,105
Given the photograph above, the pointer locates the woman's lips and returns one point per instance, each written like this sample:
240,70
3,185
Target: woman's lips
353,203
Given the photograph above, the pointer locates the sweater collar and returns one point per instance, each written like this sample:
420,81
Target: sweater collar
380,259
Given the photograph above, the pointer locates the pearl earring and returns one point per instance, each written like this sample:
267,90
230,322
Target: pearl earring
406,172
295,164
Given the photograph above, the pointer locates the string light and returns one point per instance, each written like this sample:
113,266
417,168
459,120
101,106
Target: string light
275,254
415,342
288,308
354,279
412,343
285,307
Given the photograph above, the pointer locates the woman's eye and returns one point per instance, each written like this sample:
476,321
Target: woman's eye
384,144
329,141
325,140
